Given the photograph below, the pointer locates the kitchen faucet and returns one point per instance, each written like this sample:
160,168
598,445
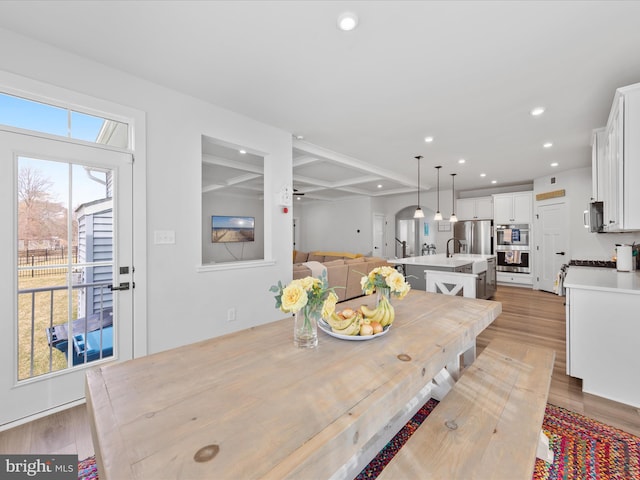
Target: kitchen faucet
454,247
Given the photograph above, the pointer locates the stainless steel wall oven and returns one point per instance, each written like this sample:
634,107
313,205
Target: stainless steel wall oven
513,248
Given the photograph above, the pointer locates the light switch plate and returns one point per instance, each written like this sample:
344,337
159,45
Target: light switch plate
286,196
164,237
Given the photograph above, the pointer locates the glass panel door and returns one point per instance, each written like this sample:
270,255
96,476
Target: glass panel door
71,241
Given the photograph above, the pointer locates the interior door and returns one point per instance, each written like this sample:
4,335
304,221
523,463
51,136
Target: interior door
553,243
296,233
378,235
66,267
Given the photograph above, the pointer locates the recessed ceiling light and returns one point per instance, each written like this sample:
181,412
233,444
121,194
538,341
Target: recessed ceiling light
548,145
243,151
537,111
379,186
462,160
428,139
300,137
347,21
483,174
554,164
494,181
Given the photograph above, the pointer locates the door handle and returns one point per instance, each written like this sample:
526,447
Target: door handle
559,253
122,286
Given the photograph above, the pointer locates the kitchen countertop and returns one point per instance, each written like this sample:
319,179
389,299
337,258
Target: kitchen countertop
441,260
603,279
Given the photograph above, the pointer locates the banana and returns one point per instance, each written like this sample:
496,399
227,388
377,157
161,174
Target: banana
351,330
384,321
368,312
339,323
392,314
380,314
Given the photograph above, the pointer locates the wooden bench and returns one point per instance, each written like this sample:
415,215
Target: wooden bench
488,425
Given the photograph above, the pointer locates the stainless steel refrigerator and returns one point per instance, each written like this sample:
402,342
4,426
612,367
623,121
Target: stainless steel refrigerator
476,236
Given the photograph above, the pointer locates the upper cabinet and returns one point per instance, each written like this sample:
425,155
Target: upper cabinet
598,145
512,207
621,163
480,208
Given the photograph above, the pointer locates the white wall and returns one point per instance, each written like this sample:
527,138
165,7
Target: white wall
183,304
583,245
344,226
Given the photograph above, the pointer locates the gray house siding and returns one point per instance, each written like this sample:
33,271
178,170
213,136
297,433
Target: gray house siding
95,244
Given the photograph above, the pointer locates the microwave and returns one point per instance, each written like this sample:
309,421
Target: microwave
594,217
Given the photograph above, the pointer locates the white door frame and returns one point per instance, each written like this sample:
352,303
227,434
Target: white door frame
296,233
28,396
541,254
136,119
383,235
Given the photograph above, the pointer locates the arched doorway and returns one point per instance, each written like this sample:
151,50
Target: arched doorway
414,231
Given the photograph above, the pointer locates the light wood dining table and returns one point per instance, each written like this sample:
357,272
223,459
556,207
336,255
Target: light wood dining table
251,405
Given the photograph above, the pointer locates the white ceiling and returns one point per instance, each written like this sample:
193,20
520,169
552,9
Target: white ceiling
466,73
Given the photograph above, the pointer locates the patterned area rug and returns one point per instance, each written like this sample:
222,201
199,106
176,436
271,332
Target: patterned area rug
583,449
87,469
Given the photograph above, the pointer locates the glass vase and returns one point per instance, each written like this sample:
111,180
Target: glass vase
383,292
384,300
305,330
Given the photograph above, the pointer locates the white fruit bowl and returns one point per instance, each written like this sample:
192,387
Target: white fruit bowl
326,328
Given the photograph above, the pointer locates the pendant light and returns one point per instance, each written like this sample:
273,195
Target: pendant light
453,217
418,213
438,215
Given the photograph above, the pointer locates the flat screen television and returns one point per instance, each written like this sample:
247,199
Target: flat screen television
227,229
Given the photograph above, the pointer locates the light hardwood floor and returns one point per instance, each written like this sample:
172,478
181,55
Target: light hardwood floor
527,315
537,317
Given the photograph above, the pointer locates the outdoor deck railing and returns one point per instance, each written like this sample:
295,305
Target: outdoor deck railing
71,325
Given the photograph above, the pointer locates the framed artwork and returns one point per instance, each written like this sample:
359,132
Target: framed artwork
444,226
226,229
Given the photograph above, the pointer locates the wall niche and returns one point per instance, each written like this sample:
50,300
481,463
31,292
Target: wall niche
232,203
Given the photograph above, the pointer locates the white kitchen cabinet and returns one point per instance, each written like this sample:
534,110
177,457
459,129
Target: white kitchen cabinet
515,279
512,207
598,177
479,208
621,162
612,161
602,342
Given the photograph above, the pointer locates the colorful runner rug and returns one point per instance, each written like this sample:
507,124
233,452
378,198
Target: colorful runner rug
583,449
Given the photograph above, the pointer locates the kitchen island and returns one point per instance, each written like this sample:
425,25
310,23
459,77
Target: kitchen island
484,266
251,405
603,331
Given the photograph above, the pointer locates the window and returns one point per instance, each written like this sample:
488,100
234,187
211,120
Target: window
44,118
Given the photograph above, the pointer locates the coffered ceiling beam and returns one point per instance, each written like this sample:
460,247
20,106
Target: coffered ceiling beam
231,182
304,160
225,162
351,162
342,183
